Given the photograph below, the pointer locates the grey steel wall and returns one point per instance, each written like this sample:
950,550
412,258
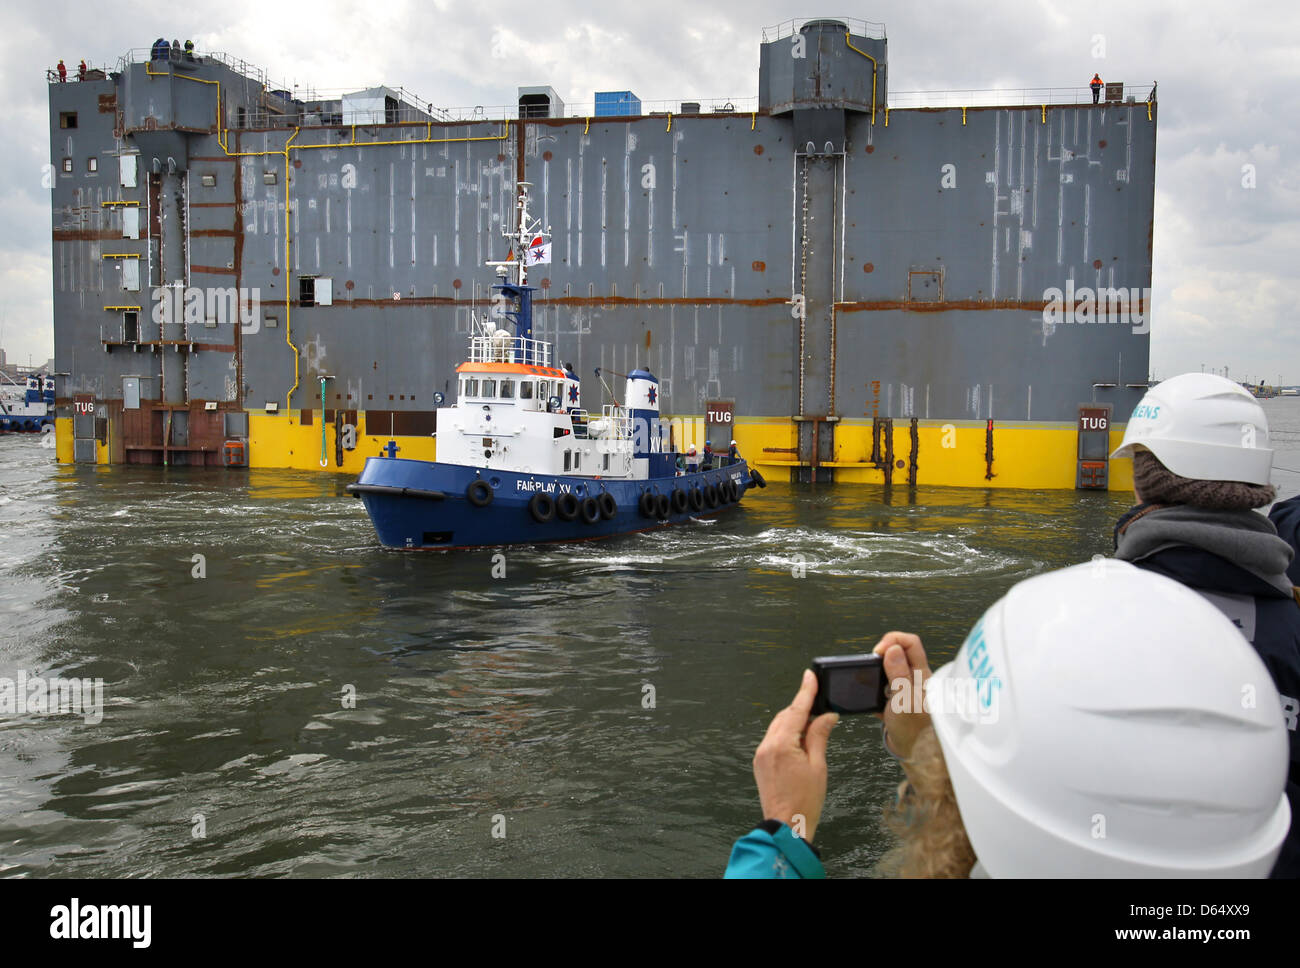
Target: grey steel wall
674,248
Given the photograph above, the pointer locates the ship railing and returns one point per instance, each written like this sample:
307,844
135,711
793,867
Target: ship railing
509,349
788,28
616,424
93,73
1005,97
144,55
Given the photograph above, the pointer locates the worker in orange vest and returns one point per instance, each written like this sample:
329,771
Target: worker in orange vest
81,70
1095,84
63,71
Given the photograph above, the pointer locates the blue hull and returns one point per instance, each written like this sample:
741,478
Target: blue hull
420,505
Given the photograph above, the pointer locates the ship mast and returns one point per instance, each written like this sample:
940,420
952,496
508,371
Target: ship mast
527,229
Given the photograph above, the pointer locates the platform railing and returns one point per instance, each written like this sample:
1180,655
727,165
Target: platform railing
1008,97
788,28
509,349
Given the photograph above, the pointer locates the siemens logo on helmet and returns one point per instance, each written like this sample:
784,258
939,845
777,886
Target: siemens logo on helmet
1145,411
980,666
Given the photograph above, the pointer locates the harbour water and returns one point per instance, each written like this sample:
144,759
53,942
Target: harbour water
282,697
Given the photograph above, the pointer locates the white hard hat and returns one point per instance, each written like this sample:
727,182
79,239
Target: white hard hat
733,443
1116,725
1204,427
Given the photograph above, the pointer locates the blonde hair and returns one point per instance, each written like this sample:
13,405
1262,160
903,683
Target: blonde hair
926,819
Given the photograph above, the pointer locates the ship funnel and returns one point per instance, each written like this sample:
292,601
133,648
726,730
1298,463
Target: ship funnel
642,399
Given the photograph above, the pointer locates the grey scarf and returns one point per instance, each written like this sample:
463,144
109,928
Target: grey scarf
1245,538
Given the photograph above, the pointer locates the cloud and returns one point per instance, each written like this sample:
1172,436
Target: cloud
1224,253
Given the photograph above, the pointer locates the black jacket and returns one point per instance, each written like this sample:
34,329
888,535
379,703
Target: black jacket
1237,560
1286,518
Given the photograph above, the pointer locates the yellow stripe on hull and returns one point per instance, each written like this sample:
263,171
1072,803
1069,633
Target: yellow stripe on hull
950,453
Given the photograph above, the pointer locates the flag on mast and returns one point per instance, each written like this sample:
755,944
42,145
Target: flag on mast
538,252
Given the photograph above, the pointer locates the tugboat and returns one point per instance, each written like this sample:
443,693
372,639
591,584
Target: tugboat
29,408
521,462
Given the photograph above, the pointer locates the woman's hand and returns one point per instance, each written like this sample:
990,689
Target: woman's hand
790,763
908,671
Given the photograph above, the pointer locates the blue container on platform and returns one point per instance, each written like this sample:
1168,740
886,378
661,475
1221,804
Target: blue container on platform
617,104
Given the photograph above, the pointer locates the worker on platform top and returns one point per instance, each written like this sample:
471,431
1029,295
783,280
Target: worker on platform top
81,70
189,50
63,71
160,49
1095,84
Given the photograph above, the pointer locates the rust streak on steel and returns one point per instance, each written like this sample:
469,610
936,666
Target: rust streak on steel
658,300
215,270
567,301
879,305
395,303
215,347
86,235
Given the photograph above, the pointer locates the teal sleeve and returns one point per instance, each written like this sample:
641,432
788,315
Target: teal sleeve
780,855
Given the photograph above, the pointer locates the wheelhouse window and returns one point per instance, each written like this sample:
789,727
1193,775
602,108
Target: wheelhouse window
469,388
507,389
489,388
525,389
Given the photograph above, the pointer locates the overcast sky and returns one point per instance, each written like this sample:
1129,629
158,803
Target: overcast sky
1226,254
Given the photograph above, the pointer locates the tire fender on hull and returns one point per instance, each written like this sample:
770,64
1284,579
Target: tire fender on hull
479,493
567,507
607,504
542,507
648,506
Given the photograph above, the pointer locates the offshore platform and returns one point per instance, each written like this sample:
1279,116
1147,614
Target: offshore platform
953,293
